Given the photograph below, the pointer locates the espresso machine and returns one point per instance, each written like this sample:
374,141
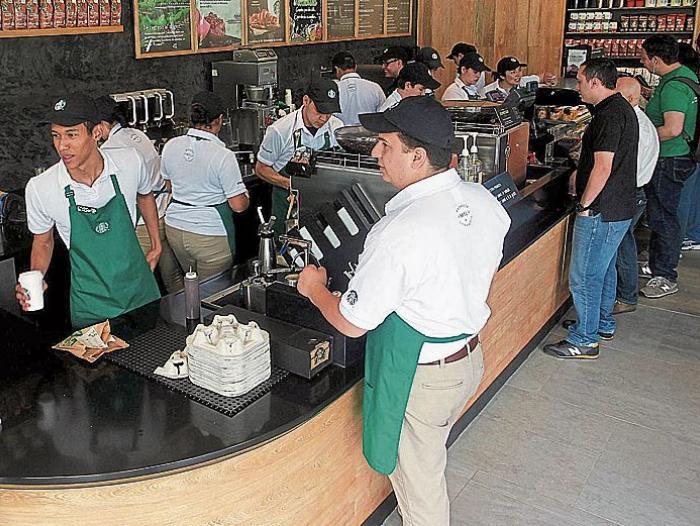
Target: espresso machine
150,110
247,85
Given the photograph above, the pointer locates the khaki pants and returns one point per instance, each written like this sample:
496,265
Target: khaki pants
438,396
210,255
167,264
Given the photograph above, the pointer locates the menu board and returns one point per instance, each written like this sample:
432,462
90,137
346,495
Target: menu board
371,15
218,23
306,17
266,20
341,18
164,26
398,16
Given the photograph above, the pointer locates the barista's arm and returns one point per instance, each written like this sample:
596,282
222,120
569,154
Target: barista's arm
269,174
312,284
149,212
42,251
239,203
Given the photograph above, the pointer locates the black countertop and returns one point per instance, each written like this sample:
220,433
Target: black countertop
65,421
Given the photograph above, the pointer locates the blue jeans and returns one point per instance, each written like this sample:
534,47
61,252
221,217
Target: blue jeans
663,196
627,280
593,278
689,207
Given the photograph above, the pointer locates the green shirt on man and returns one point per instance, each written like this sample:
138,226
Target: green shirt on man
675,96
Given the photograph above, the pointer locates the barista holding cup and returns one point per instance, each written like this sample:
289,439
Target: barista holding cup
91,197
289,143
207,188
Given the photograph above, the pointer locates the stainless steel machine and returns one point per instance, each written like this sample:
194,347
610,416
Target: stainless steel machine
151,110
247,85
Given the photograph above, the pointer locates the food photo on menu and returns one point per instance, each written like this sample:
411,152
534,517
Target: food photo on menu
264,20
218,23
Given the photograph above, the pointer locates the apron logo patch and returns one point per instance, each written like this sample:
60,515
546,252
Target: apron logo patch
464,215
189,155
351,297
102,227
86,209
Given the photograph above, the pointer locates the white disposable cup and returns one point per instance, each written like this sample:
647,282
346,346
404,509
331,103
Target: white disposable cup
33,282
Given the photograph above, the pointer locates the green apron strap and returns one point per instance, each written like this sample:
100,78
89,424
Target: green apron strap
391,360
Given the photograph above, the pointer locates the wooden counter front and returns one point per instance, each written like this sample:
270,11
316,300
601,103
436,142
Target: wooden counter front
315,474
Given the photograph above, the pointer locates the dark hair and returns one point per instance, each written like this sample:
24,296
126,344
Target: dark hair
688,56
663,46
602,69
90,125
439,158
119,116
344,61
199,115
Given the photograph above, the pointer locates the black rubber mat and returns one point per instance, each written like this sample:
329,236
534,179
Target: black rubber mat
152,349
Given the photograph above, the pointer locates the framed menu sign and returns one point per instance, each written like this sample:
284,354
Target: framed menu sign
370,17
306,19
163,27
398,17
341,18
266,21
218,24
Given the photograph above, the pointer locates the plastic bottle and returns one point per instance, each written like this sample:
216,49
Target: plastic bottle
463,165
475,164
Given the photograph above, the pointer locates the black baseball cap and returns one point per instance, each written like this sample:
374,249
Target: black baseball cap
508,64
430,57
422,118
394,52
461,48
72,109
417,73
325,95
105,108
210,102
343,60
473,61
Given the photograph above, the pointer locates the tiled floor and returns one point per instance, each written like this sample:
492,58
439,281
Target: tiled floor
614,441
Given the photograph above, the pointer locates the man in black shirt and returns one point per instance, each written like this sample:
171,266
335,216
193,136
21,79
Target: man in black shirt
606,188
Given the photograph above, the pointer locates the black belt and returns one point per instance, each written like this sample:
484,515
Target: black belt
462,353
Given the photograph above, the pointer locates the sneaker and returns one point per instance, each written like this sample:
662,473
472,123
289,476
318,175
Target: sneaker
569,351
689,244
658,287
603,335
622,308
644,270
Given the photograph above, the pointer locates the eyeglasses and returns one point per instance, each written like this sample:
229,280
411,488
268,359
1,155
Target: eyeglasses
390,61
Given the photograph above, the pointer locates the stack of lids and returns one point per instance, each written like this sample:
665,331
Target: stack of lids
227,357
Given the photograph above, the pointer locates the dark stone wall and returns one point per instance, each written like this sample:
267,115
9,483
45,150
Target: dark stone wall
34,70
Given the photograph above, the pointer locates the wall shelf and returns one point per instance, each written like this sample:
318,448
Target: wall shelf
16,33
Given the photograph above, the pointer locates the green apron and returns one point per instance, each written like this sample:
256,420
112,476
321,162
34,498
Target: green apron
280,203
226,215
391,359
109,273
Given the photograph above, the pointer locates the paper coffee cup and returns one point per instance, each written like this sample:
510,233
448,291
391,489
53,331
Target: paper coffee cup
33,283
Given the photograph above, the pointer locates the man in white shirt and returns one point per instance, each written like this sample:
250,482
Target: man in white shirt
116,133
90,197
647,155
420,296
357,95
290,141
465,86
413,81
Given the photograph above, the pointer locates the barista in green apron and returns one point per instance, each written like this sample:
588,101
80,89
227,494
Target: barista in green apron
90,198
289,143
419,293
207,188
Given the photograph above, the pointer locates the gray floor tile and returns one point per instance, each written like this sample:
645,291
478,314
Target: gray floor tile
393,520
551,418
480,506
534,372
536,464
636,502
457,476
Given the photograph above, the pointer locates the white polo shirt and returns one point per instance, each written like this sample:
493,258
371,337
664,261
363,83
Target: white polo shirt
120,137
431,260
277,146
494,86
458,90
203,172
391,101
358,95
648,151
47,205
